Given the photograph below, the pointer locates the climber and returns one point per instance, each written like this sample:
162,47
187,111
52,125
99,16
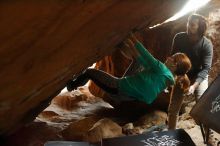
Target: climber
144,85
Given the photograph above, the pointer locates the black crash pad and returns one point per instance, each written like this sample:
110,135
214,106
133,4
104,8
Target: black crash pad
207,110
165,138
66,143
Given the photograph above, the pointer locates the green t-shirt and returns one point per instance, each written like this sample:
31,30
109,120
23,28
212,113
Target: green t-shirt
147,84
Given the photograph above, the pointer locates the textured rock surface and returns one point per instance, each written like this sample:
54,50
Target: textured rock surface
104,128
43,43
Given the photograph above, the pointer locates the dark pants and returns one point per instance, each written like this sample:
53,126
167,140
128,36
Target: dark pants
102,79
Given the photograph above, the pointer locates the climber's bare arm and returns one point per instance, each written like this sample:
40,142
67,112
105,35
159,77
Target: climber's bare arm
131,47
133,38
126,52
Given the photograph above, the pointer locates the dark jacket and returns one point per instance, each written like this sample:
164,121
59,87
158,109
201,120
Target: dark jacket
200,54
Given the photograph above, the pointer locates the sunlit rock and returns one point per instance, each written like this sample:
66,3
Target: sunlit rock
104,128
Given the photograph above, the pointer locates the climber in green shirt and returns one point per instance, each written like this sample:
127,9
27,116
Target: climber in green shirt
144,85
